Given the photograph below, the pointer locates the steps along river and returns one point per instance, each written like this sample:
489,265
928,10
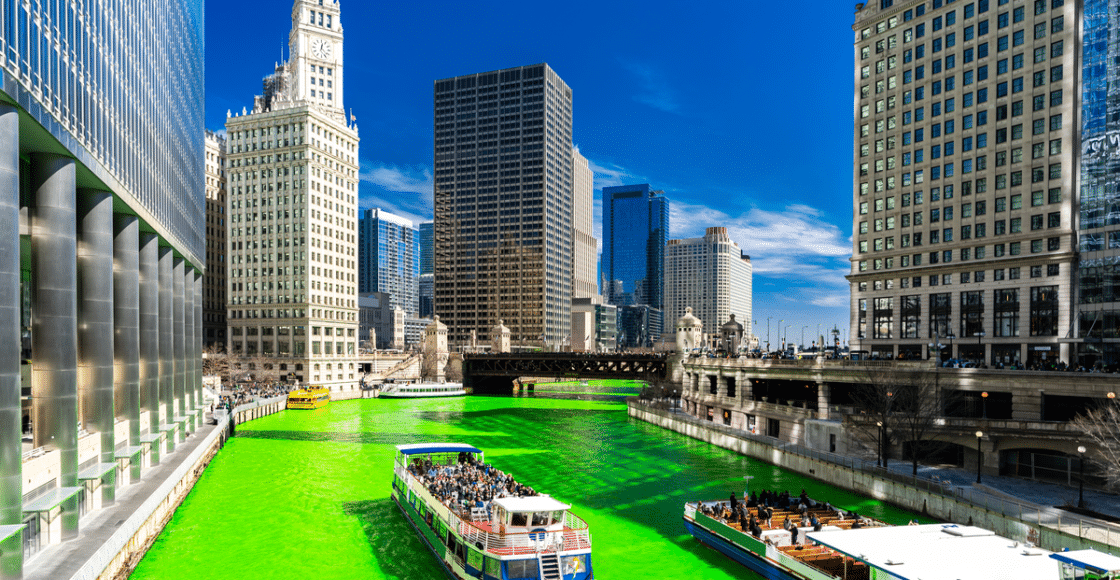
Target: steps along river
305,494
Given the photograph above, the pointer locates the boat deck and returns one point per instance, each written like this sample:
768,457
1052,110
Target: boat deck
508,544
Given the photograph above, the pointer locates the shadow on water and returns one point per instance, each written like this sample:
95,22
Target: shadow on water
397,550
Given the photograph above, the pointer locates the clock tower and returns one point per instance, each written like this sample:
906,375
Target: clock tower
315,44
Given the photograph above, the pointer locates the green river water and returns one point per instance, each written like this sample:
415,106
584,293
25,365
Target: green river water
305,494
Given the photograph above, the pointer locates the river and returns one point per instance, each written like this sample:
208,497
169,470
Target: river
305,494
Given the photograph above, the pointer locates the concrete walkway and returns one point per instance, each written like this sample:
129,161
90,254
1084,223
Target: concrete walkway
63,561
1037,493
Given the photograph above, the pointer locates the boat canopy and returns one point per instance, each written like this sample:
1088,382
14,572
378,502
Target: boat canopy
1090,560
533,503
424,448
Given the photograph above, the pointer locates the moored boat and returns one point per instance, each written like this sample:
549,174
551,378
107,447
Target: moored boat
420,390
309,398
842,549
480,523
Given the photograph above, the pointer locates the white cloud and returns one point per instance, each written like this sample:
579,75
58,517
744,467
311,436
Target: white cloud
611,175
402,179
796,231
831,300
656,91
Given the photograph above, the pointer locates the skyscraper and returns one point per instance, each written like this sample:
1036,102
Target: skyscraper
503,204
584,252
712,276
293,237
967,158
427,247
389,258
635,229
102,249
214,281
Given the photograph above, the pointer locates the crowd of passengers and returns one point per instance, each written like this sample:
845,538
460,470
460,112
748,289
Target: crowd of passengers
466,483
242,393
756,513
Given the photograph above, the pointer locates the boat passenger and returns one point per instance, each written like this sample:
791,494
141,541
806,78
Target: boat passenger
734,502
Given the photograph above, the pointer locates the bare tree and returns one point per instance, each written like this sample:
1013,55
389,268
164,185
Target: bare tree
901,402
215,361
1101,425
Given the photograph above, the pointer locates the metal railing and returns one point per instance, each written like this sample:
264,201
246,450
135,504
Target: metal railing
1091,529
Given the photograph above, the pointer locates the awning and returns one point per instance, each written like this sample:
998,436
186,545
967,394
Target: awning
1090,560
96,471
51,499
422,448
9,531
151,437
128,452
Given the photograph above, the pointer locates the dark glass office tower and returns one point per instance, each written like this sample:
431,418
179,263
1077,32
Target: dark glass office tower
503,205
635,230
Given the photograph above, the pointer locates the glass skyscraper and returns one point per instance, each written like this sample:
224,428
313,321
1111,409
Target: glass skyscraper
102,251
389,258
635,231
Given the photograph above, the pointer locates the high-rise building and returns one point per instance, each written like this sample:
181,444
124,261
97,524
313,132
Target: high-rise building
968,153
584,251
214,281
635,229
503,205
427,294
102,252
389,258
293,214
427,247
712,276
594,325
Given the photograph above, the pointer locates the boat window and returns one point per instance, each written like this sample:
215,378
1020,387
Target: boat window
540,518
557,517
518,520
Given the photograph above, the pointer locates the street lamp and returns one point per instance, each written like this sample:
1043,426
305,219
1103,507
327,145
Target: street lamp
1081,476
950,337
786,339
979,454
879,431
768,332
984,397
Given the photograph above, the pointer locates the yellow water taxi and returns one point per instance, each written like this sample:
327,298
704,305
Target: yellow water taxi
309,398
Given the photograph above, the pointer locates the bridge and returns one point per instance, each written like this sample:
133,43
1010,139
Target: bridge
495,373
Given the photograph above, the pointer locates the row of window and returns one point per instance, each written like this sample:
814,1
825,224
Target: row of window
1042,312
946,256
1053,220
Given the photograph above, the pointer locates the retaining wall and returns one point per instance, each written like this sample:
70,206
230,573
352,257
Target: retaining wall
118,556
1043,527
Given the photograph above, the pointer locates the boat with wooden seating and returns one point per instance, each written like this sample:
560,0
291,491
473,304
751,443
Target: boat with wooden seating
509,537
841,549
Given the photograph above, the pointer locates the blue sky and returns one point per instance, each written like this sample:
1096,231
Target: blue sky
741,114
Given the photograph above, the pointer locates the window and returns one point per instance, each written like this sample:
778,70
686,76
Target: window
1057,24
1054,220
1056,74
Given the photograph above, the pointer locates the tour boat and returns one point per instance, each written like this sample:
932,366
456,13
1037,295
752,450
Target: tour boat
873,549
309,398
513,538
421,390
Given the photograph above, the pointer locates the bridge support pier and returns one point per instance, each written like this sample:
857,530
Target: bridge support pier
824,399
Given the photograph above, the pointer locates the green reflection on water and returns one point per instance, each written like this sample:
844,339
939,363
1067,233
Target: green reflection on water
305,494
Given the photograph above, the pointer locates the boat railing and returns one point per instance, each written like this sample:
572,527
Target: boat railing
574,536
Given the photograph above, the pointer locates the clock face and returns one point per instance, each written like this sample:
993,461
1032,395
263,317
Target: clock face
320,48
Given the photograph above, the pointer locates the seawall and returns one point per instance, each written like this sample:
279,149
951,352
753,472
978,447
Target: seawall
1048,528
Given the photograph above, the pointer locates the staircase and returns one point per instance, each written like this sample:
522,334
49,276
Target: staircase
549,566
413,360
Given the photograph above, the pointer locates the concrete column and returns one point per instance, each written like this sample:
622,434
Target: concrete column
126,289
166,341
747,387
188,338
824,399
177,329
11,462
197,357
54,325
95,333
148,311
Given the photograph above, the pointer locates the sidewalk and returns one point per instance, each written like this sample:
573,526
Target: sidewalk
63,561
1041,494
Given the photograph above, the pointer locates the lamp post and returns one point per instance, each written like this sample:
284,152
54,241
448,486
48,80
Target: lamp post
1081,476
979,454
950,337
984,398
768,332
786,339
879,431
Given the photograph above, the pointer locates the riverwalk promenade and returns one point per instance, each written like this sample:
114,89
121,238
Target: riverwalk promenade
113,539
1003,505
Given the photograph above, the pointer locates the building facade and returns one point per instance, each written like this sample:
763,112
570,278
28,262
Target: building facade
214,281
594,325
102,253
639,326
427,247
503,204
293,214
389,258
635,231
712,276
967,150
585,253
